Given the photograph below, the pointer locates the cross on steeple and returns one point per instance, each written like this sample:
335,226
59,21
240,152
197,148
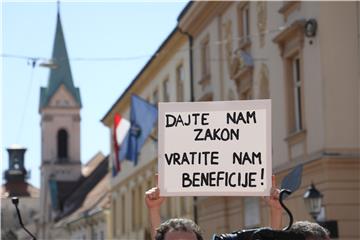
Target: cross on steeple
58,6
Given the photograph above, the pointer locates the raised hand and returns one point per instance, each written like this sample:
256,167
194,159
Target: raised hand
274,204
153,202
152,196
273,199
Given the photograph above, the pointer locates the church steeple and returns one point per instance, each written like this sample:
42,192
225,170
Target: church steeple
60,107
60,73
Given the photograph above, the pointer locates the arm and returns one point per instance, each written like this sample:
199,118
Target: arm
275,207
153,202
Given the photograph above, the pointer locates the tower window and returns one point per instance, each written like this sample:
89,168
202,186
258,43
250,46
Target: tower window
62,144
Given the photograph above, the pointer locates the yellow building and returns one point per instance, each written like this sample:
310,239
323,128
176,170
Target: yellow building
302,55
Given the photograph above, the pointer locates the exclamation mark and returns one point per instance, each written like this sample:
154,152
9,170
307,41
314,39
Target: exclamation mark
262,176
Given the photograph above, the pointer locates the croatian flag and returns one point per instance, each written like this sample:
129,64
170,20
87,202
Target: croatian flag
121,128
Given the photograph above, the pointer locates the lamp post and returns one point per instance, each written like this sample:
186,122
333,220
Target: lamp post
313,201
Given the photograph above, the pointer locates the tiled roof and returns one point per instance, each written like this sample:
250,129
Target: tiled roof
86,184
19,189
96,200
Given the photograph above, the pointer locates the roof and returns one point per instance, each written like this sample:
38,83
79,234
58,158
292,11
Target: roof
151,60
61,74
78,194
19,189
184,11
92,164
163,44
96,200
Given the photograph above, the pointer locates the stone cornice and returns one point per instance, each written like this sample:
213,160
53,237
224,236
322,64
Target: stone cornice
200,14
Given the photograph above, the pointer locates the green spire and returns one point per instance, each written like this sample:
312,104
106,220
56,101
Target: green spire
61,74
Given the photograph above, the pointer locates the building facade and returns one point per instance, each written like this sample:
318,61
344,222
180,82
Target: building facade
304,56
167,75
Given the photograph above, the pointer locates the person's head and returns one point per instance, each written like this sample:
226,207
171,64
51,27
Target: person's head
311,231
178,229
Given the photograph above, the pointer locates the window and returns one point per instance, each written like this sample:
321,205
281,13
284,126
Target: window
62,144
166,93
205,63
114,215
123,217
182,205
244,23
133,209
297,92
180,83
139,207
294,91
264,82
291,43
94,233
205,58
155,97
168,207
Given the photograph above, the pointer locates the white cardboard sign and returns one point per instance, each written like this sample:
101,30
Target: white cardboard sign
215,148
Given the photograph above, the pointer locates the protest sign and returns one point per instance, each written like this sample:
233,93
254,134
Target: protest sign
215,148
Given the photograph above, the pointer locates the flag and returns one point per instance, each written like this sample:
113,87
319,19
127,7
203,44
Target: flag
120,129
292,181
143,117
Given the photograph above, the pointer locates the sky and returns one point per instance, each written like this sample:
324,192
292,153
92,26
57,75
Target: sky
130,31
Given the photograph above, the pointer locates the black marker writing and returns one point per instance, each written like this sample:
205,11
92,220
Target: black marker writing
219,134
193,118
240,117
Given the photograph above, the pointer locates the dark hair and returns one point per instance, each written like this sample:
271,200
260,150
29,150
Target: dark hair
310,230
178,224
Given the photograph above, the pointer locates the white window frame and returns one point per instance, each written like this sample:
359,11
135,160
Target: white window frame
297,92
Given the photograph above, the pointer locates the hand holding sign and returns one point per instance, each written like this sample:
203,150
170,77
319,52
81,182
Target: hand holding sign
152,196
153,202
273,199
215,148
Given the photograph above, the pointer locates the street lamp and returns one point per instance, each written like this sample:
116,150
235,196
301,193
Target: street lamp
313,201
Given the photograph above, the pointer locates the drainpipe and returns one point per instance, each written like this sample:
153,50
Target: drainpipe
192,96
192,99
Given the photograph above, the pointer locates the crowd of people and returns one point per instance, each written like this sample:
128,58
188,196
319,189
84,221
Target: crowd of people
186,229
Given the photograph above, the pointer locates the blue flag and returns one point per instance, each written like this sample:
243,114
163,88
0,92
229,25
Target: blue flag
143,117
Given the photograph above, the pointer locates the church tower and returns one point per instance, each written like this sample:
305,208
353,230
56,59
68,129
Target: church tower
59,107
